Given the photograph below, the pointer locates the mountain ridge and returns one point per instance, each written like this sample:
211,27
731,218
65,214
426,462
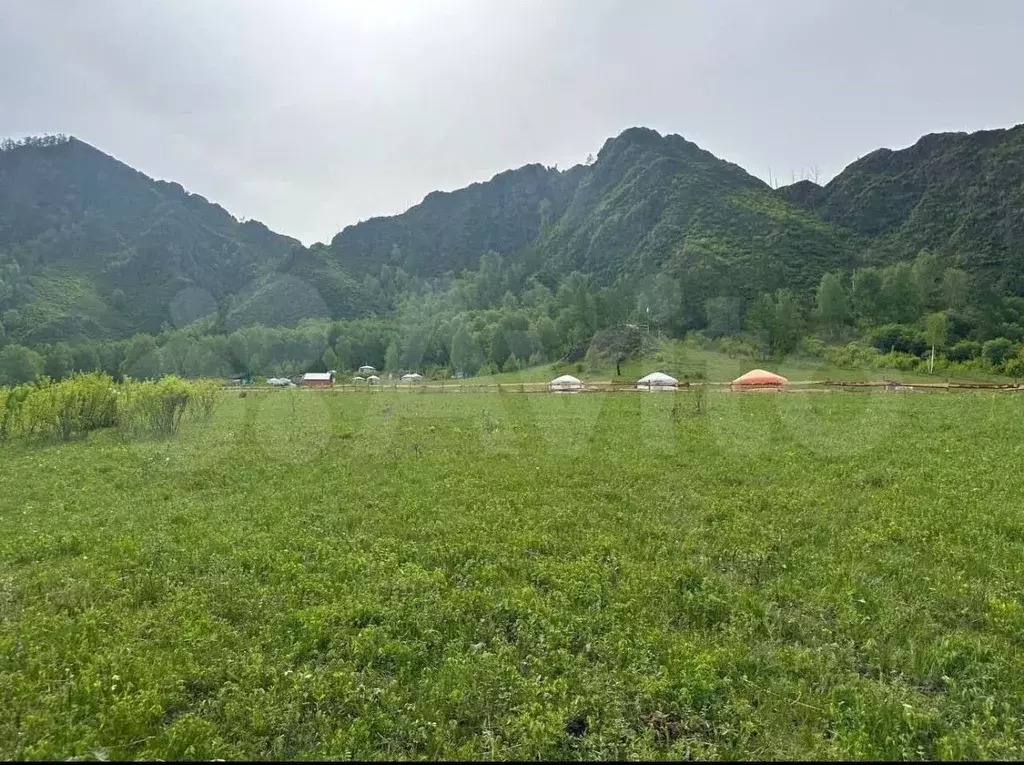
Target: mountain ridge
91,248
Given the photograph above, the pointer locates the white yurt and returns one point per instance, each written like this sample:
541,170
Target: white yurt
565,383
657,381
366,369
358,380
373,380
414,377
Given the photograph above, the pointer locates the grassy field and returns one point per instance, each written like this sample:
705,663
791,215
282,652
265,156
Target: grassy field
522,576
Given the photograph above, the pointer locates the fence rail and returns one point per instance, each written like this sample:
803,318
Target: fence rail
616,386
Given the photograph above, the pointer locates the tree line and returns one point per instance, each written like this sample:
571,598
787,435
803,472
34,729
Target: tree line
497,318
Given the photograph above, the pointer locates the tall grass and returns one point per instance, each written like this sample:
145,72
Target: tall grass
88,402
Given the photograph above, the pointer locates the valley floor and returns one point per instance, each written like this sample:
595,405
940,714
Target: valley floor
521,577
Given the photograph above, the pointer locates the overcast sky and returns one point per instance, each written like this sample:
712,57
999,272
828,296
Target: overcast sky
313,114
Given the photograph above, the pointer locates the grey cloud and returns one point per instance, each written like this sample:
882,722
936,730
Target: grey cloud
311,115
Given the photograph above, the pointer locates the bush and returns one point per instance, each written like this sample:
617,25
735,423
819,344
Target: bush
620,343
997,351
852,355
87,402
12,408
205,397
698,340
898,338
1014,367
812,346
79,404
154,406
964,350
734,347
905,362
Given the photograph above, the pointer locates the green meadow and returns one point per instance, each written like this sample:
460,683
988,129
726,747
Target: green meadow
370,575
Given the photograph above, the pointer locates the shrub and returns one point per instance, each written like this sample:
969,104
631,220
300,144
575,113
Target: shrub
698,340
997,351
205,397
12,410
620,343
155,406
734,347
905,362
79,404
964,350
812,346
898,338
852,355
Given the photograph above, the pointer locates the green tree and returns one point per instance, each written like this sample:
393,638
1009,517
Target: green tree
774,319
1014,366
928,277
499,348
901,299
393,356
577,317
509,302
832,308
59,362
11,320
330,360
86,359
667,304
143,360
536,295
866,295
724,316
965,350
18,365
955,288
546,332
343,352
997,351
467,358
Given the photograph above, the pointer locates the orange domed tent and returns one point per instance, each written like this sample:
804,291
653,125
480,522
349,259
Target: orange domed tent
758,378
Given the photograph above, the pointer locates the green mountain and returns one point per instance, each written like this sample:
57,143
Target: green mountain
653,203
648,203
90,248
960,195
449,231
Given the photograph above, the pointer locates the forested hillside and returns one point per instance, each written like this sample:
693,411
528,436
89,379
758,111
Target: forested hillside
90,248
960,195
904,253
450,231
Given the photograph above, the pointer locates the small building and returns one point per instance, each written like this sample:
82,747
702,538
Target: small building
565,384
759,378
657,381
412,377
366,369
373,380
317,380
359,380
